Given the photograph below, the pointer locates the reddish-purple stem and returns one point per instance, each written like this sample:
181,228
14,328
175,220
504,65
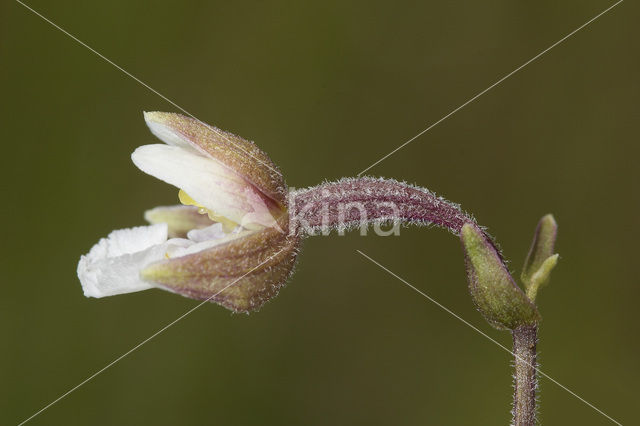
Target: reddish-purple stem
351,202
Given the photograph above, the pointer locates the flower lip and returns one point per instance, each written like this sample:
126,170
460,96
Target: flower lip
113,265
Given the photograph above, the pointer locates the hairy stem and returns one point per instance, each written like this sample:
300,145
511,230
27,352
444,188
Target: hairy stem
524,395
361,201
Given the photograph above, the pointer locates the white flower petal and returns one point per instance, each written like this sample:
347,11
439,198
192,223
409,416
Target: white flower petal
206,180
207,244
212,232
113,264
127,241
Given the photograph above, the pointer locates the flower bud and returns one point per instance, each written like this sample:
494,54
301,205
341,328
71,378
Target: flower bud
541,260
494,292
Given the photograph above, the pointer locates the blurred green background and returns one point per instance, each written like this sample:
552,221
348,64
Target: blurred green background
326,88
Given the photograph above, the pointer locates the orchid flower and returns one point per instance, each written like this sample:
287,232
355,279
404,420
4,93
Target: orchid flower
235,239
231,227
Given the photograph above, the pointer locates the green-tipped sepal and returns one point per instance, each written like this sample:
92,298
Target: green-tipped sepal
541,259
541,276
241,273
494,292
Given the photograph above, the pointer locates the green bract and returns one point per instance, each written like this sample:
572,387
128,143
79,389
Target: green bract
493,290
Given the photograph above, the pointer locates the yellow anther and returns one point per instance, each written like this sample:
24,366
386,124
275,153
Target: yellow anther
187,200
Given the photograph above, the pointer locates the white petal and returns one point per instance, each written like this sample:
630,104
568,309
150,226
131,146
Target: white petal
113,264
213,232
239,232
207,181
127,241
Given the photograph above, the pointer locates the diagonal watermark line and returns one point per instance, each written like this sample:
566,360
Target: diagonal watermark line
215,130
467,323
491,87
124,355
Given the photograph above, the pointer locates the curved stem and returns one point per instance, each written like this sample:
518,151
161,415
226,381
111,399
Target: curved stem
524,393
352,202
